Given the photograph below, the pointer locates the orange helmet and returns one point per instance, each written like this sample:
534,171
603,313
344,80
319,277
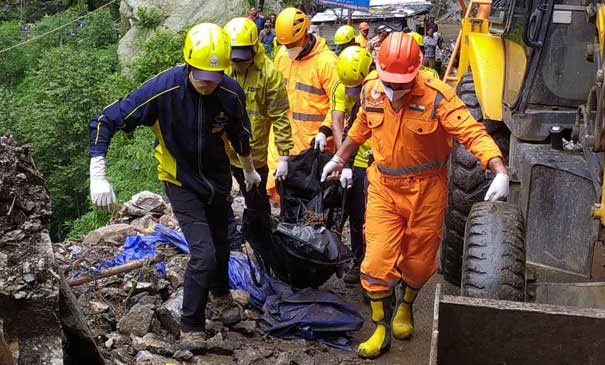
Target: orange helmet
399,59
364,26
291,25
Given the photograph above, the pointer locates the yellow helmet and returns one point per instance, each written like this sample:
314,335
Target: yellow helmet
353,65
242,32
418,38
291,25
207,48
344,35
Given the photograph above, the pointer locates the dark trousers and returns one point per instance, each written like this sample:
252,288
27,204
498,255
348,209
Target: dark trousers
205,228
235,237
357,211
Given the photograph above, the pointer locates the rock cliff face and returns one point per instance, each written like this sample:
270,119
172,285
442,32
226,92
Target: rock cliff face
175,15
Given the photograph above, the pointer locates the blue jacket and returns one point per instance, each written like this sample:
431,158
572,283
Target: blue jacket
189,127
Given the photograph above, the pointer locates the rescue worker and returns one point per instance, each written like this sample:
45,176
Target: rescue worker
410,120
353,67
374,43
189,108
309,69
362,38
344,37
266,104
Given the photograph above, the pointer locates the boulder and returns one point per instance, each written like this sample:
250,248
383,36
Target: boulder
147,358
114,233
169,313
137,321
153,343
176,15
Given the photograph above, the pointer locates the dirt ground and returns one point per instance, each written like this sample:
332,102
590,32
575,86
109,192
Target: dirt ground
415,351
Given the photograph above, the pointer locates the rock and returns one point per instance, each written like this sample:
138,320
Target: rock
147,358
175,270
169,313
148,201
252,356
183,355
115,340
177,14
245,327
241,297
143,224
251,314
213,326
217,345
98,307
231,316
152,342
137,321
212,359
114,233
141,286
300,357
169,220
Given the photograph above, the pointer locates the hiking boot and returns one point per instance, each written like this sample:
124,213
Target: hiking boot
194,342
352,276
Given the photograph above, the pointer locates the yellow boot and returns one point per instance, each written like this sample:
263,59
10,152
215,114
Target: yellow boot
382,311
403,321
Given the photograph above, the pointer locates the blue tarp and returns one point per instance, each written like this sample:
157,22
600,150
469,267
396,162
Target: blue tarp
363,5
309,313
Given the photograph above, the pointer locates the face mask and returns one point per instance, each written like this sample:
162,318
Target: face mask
294,52
394,95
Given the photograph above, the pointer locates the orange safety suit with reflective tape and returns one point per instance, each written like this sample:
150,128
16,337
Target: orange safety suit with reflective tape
309,82
407,194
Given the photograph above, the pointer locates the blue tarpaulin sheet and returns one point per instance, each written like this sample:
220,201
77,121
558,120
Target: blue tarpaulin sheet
309,313
362,5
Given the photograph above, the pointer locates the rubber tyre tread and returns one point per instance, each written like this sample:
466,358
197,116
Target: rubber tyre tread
468,183
493,264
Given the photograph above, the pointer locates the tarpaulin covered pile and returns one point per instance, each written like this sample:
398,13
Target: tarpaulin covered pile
309,313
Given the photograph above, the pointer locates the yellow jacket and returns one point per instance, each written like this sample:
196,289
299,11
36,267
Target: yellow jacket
361,40
267,107
309,82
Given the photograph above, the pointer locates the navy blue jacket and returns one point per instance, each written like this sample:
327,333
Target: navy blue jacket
190,129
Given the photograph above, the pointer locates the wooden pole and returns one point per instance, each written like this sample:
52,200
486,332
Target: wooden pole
120,269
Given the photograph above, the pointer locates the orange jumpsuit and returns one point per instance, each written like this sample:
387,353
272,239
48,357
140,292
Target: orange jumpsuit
407,194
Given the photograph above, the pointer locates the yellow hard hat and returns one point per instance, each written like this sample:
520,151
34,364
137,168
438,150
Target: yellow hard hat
207,48
242,32
418,38
353,65
291,25
344,35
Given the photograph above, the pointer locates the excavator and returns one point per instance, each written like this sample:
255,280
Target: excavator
531,269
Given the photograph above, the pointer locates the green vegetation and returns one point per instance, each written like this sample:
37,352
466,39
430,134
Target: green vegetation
50,90
148,18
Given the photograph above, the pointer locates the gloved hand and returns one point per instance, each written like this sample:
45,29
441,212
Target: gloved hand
282,168
334,165
251,176
498,189
346,178
101,192
320,141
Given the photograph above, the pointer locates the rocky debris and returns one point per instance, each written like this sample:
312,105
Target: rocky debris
34,298
240,297
148,358
220,346
169,313
245,327
175,270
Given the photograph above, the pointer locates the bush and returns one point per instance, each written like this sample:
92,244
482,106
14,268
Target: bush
13,63
163,50
148,18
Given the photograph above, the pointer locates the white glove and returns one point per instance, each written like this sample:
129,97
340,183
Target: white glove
334,165
282,168
320,141
498,189
346,178
101,192
251,176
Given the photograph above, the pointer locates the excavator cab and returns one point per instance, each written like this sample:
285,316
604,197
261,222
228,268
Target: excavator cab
531,71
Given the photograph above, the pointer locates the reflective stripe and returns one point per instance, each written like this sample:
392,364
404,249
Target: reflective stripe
374,110
308,88
309,117
149,100
374,281
438,99
278,104
398,171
